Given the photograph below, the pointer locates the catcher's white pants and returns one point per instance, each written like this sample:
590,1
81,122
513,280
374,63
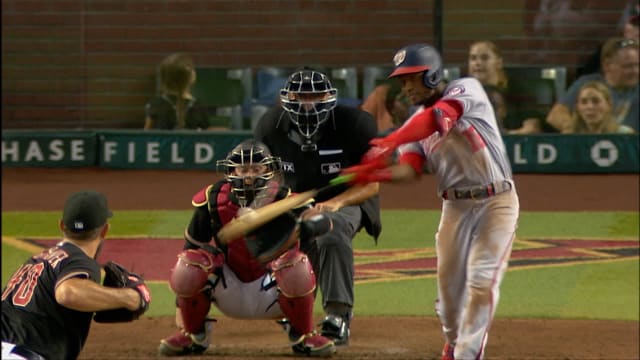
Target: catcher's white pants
253,300
7,349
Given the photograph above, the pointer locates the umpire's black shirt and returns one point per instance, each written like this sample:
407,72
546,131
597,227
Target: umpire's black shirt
342,141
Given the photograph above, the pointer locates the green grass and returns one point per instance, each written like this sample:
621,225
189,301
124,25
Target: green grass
605,290
402,228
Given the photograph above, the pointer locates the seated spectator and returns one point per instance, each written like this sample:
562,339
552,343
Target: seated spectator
486,64
507,123
593,111
629,30
388,105
175,107
620,73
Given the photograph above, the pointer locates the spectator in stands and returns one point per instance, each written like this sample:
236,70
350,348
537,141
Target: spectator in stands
175,107
388,105
593,111
486,64
557,24
620,73
499,104
629,30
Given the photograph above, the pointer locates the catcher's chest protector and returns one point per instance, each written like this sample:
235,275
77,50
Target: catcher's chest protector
238,257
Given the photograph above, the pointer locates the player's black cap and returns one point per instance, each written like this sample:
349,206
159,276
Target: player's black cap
85,210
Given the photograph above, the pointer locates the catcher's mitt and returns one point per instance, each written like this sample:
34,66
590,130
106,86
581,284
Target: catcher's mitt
117,276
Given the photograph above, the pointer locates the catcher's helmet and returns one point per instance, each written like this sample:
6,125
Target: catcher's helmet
250,168
418,58
308,98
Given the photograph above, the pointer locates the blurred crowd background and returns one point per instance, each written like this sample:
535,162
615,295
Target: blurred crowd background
73,64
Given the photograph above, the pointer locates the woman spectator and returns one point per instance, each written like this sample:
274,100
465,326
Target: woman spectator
594,111
486,64
620,67
175,107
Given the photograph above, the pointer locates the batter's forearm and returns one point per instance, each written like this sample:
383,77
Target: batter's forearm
357,194
403,172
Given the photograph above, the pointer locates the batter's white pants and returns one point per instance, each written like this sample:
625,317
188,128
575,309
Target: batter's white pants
7,349
473,246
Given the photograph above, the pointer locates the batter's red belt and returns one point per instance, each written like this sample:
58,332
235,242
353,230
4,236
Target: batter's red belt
478,192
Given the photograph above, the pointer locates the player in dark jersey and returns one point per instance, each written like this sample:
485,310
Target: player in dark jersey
316,138
48,303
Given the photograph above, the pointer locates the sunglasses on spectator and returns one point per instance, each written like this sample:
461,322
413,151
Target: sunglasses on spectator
627,43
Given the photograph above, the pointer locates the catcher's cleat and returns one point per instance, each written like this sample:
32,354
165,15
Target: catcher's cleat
336,328
311,344
447,352
314,345
183,343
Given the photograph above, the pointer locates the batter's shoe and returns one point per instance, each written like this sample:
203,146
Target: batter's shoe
336,328
447,352
183,343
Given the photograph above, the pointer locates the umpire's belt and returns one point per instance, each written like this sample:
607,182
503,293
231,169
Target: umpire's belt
478,192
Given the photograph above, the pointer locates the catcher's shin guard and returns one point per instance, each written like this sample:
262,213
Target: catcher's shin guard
194,312
296,282
192,270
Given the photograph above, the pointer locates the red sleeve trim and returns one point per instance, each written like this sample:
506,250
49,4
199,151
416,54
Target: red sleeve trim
414,160
451,107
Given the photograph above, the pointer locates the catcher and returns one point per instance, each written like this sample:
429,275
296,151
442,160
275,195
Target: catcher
261,276
48,303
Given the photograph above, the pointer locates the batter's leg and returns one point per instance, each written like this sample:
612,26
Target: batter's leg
488,260
452,243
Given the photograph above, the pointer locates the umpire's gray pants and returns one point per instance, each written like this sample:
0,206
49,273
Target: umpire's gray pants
332,256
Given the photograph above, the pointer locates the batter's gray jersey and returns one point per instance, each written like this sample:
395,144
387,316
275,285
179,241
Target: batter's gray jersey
472,153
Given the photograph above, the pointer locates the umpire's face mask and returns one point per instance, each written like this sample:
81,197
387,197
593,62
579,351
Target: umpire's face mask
309,110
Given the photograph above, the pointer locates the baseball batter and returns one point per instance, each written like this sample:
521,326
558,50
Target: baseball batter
231,275
455,134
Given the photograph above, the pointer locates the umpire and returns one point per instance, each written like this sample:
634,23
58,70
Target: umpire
316,138
49,302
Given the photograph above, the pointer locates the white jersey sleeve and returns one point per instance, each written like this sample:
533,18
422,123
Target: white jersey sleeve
472,153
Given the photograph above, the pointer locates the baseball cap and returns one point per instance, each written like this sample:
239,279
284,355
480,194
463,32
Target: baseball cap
85,210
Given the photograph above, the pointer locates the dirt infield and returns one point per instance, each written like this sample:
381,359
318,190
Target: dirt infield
373,337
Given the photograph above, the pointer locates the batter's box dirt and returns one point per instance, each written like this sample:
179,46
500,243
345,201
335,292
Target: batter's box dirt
388,338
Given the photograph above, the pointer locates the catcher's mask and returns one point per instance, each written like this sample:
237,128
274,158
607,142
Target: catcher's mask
250,169
309,99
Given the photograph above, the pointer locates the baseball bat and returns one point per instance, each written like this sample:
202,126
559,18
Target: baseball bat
252,220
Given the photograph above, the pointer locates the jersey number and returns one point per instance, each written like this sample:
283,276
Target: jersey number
25,279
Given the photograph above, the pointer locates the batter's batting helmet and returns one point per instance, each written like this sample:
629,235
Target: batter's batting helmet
249,167
308,98
418,58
